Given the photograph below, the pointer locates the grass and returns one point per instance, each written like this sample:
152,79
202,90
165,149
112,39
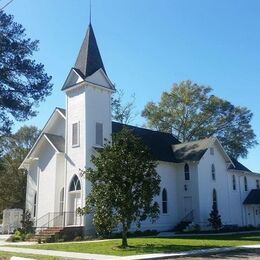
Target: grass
153,245
7,256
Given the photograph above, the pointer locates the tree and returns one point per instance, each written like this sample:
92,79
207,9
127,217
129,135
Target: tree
190,112
23,82
215,218
12,179
123,113
124,183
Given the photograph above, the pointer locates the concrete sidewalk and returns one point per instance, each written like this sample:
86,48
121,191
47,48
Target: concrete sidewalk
134,257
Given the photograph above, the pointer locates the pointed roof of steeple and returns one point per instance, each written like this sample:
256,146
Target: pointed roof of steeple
89,59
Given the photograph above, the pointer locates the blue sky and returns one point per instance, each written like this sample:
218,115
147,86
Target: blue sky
148,45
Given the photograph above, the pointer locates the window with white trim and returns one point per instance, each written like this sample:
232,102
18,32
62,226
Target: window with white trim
99,134
186,172
245,183
214,198
75,184
213,172
234,182
257,184
164,202
75,134
34,204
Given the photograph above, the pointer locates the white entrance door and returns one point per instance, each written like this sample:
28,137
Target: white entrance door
250,215
77,205
187,205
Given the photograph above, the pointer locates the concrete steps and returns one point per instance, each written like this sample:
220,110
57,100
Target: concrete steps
46,233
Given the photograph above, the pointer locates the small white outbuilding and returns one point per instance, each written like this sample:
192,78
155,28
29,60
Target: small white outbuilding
11,220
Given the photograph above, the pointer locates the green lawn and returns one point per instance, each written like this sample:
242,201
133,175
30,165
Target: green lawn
7,256
154,245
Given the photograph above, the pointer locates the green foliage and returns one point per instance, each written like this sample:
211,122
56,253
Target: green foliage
215,218
23,82
17,236
27,223
122,112
191,112
124,183
12,179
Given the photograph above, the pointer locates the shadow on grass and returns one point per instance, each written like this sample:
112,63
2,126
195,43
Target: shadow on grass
151,248
234,254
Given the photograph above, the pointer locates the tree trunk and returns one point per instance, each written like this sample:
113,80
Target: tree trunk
124,236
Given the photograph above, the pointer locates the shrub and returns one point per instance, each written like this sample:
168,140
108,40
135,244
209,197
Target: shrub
77,238
215,218
27,223
16,236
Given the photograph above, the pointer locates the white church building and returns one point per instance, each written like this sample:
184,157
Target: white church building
193,175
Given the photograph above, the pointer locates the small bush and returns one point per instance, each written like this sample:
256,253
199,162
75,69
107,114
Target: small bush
77,238
16,236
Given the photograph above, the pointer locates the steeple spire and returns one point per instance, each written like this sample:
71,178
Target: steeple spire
89,59
90,11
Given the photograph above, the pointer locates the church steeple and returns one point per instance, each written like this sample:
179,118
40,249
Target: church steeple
89,59
89,66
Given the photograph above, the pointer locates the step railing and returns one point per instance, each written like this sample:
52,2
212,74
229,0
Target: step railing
59,219
188,217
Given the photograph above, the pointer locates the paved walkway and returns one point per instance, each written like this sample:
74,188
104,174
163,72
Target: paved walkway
173,234
3,241
135,257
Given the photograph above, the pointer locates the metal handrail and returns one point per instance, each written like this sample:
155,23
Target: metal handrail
54,217
188,217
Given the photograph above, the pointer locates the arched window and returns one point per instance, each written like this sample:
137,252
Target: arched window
75,184
186,172
34,204
213,172
214,198
245,183
234,182
61,200
164,202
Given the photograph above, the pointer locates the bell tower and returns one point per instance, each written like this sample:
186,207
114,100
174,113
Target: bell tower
88,118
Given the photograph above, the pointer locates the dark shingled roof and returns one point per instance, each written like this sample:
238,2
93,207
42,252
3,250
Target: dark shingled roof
89,59
191,151
160,144
253,197
238,166
57,141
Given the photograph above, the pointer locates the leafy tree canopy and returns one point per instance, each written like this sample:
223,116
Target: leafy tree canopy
23,82
122,112
12,179
124,183
191,112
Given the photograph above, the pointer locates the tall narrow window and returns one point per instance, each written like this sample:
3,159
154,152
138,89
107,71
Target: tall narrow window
186,172
75,184
234,182
61,201
34,204
257,184
99,134
245,183
214,198
213,172
164,202
75,134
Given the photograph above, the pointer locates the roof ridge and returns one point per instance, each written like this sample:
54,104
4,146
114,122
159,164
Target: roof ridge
147,129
